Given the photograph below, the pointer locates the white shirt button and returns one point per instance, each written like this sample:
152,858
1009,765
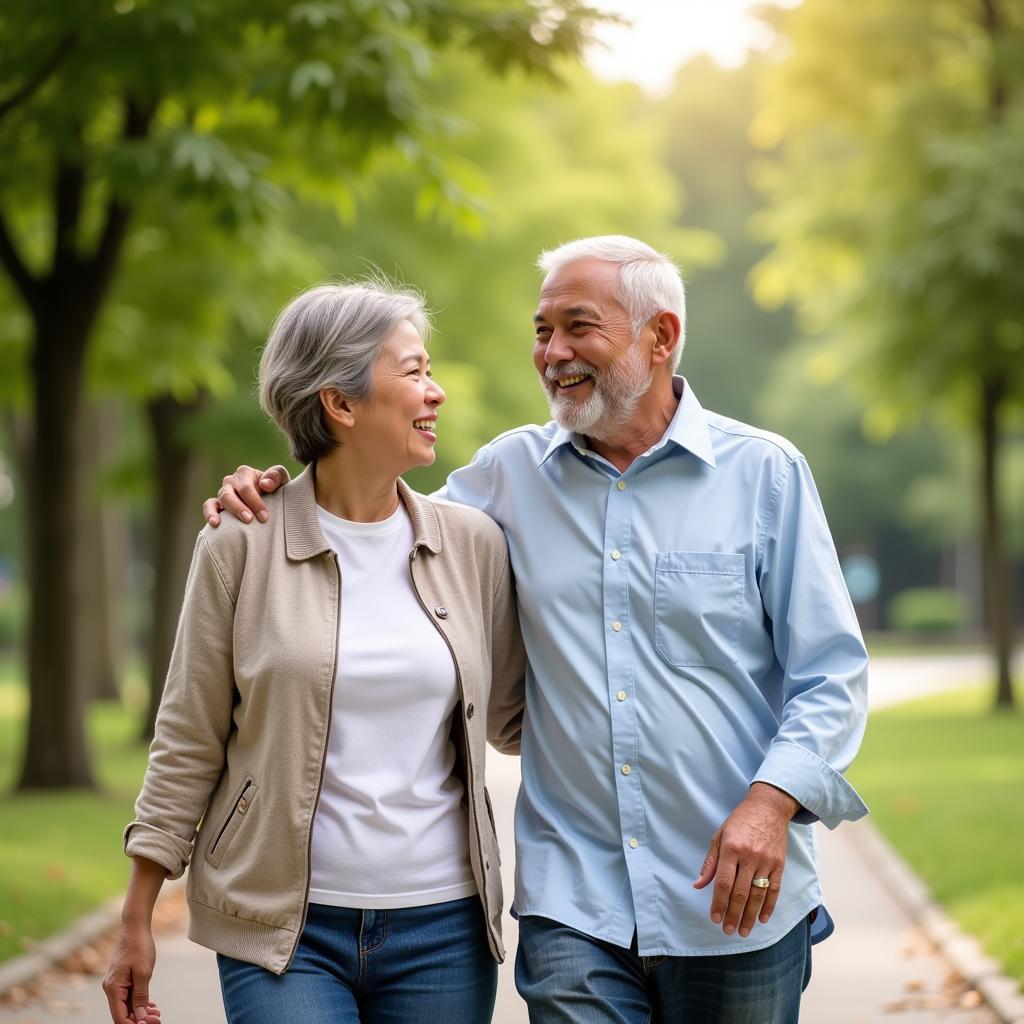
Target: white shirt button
626,769
621,485
633,844
617,626
616,555
621,695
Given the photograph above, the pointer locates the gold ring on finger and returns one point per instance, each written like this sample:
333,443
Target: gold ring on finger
761,883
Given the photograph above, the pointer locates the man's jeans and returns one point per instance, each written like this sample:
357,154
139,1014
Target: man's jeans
567,977
422,964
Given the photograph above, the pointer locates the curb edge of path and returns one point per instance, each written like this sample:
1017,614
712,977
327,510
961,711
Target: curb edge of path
48,953
25,968
963,951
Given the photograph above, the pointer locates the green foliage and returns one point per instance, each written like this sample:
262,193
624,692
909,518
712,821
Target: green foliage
708,148
896,203
927,610
209,120
943,778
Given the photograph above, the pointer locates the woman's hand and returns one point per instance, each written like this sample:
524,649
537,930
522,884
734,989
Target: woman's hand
126,985
127,982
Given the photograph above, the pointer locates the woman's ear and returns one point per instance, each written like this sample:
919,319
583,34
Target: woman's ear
337,407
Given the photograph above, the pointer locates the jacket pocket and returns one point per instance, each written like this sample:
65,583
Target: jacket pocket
494,829
232,823
698,607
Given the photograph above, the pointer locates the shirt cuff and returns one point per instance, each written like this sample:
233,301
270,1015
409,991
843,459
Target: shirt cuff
164,848
823,794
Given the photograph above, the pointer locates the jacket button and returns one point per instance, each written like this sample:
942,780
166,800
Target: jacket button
441,612
469,711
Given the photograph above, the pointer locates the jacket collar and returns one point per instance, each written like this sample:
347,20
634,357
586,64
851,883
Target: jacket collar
304,538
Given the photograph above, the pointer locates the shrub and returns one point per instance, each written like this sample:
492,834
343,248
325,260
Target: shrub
928,610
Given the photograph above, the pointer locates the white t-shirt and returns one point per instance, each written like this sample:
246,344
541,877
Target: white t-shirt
391,829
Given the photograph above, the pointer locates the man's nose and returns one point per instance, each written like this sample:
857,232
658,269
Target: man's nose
557,350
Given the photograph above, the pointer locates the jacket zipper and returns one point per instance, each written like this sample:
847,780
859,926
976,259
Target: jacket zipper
236,809
465,730
320,784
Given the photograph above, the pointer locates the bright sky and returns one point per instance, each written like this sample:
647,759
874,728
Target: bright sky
667,33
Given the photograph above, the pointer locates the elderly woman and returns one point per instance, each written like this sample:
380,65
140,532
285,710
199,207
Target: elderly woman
335,676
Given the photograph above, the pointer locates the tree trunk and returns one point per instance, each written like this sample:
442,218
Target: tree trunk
998,594
178,471
100,646
56,754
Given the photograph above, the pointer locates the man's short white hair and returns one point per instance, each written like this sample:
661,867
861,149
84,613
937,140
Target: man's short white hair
649,281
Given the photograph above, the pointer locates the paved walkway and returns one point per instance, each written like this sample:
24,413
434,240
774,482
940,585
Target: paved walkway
876,968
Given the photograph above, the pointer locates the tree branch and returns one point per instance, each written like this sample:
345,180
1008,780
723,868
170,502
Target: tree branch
16,269
138,117
992,19
35,81
69,187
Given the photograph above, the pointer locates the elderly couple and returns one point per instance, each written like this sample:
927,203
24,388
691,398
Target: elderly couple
641,596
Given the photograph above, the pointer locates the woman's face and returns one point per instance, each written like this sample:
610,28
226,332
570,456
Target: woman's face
396,424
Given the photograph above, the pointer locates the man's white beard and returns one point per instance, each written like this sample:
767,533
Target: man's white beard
613,398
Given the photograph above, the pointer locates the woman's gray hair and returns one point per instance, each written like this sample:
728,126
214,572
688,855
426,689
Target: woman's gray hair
649,281
330,337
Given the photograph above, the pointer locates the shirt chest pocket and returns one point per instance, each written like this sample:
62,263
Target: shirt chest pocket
698,607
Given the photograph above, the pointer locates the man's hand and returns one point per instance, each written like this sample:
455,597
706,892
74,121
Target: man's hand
750,844
241,493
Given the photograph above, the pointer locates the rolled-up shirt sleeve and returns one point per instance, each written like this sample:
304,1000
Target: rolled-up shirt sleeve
193,724
819,647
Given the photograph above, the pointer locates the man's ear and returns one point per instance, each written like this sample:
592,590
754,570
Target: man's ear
337,408
667,331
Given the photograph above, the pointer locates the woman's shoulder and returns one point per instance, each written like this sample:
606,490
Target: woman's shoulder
466,522
233,543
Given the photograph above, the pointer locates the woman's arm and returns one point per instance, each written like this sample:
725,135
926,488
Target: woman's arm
508,666
131,968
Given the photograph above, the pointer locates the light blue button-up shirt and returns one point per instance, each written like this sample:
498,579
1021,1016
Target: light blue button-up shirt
688,633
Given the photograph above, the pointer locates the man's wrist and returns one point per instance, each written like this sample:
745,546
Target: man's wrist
777,798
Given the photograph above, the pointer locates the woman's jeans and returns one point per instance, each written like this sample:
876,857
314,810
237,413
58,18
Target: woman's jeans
567,977
417,965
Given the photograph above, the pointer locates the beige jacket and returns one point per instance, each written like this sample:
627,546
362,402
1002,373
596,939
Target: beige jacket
242,733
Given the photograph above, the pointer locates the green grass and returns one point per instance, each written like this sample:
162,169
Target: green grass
944,778
61,852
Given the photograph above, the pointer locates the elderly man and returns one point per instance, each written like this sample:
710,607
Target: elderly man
697,679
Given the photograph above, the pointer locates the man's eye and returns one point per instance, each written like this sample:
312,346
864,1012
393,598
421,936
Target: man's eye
581,325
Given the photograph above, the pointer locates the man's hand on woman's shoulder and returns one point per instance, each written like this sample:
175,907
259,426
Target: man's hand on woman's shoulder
241,494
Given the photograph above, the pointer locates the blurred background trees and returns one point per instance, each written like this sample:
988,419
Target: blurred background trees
847,208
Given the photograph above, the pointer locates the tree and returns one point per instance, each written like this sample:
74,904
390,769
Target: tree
896,209
112,107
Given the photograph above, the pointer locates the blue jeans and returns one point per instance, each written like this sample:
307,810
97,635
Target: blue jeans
567,977
417,964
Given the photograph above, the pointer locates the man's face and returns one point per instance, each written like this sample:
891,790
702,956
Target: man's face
591,369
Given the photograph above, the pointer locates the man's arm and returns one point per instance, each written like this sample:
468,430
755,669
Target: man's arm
819,647
241,493
818,644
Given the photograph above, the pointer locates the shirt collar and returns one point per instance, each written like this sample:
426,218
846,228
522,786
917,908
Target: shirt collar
304,538
688,429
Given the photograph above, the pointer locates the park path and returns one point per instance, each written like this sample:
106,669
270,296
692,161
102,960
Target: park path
877,968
